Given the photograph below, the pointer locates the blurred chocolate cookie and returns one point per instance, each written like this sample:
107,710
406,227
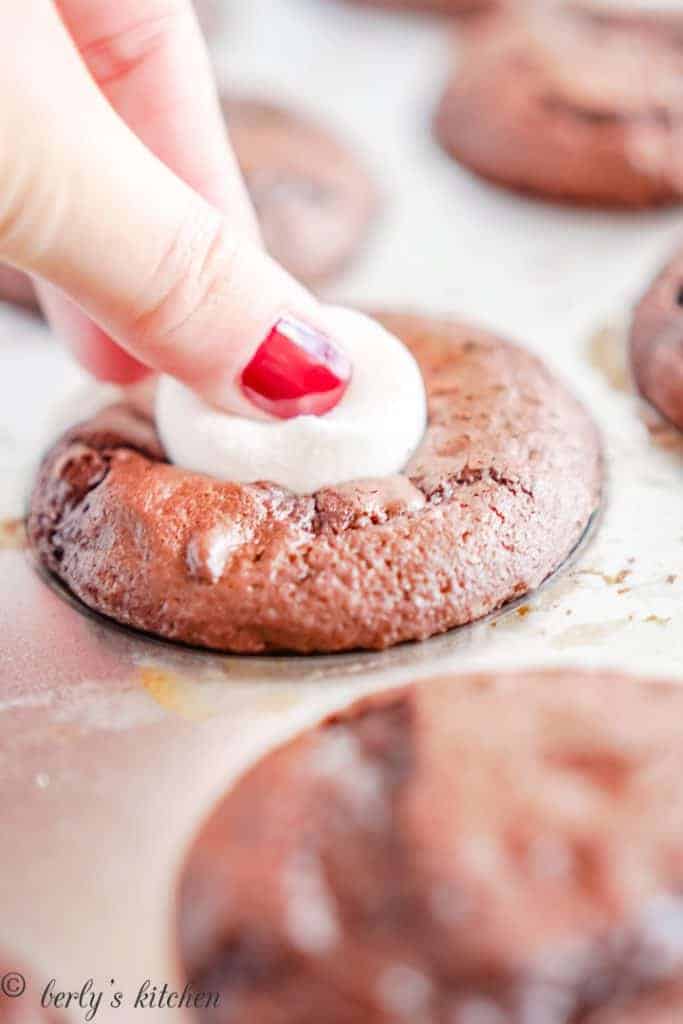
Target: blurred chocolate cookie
435,6
313,197
16,288
494,849
213,16
657,342
572,104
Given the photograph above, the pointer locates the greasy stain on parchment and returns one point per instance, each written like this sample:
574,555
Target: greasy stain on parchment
173,694
198,701
12,534
608,353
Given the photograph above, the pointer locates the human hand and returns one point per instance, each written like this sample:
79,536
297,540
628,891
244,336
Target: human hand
103,100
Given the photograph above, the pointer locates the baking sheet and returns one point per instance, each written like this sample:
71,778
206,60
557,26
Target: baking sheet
114,746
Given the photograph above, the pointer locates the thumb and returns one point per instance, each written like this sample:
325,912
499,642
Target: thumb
95,213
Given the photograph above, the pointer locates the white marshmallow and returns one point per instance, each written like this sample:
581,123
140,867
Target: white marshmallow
372,432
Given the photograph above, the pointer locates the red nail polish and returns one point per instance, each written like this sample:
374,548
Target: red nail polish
296,371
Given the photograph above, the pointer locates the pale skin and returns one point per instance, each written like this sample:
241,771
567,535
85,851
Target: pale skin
119,189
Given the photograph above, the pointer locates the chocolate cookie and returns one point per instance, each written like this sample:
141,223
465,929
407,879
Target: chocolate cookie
498,848
657,342
662,1005
435,6
498,494
571,104
313,198
16,287
212,15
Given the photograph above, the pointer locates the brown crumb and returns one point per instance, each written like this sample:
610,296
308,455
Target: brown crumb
619,578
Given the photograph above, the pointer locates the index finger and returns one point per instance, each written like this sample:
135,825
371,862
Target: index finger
150,61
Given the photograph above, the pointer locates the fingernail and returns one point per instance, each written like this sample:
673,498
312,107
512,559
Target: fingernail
296,371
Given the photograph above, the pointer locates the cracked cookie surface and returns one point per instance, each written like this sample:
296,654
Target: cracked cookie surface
496,497
494,848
